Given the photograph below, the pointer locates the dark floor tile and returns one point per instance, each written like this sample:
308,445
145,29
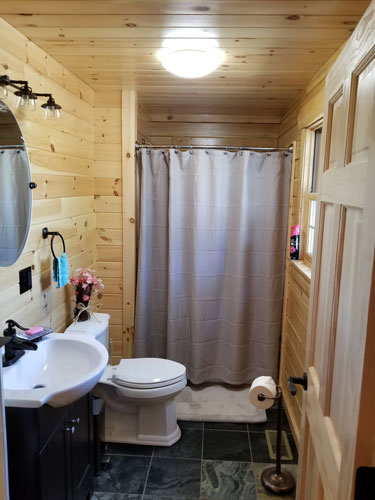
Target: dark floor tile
188,446
129,449
226,445
114,496
190,424
271,422
174,478
259,448
227,481
166,498
225,426
123,474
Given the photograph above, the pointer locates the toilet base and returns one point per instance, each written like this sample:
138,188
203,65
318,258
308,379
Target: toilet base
154,425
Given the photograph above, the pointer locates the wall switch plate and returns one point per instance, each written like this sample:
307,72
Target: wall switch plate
25,280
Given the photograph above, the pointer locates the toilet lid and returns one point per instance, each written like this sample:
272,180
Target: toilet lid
147,373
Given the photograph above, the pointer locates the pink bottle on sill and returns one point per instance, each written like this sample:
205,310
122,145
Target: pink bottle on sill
294,242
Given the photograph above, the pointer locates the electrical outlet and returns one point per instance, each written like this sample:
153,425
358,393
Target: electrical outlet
25,280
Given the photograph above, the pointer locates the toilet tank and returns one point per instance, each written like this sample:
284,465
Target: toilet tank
97,326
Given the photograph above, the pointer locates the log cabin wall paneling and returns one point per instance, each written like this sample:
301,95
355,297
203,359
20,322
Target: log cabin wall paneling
252,129
108,208
108,171
61,157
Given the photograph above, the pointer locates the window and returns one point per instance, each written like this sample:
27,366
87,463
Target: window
312,144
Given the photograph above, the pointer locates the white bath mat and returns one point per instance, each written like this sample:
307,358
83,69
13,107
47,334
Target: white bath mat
217,403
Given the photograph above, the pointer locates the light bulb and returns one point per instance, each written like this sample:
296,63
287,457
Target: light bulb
51,110
25,101
51,113
3,92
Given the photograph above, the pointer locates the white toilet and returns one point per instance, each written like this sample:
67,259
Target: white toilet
139,394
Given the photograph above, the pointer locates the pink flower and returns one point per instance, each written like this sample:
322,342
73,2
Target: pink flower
86,297
84,285
76,293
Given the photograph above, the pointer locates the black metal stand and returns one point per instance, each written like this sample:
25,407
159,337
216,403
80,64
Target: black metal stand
275,479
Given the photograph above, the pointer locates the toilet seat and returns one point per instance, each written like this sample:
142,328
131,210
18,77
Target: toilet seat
148,373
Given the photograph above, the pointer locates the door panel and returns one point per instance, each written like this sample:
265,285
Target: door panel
345,357
339,310
323,318
361,109
335,131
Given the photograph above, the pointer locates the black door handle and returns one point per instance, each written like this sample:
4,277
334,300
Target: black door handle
297,380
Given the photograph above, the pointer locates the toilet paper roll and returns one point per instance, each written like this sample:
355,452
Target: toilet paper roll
265,386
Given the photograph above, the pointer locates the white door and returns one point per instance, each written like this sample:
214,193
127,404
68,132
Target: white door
338,415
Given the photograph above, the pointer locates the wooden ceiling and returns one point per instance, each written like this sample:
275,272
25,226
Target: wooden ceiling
272,47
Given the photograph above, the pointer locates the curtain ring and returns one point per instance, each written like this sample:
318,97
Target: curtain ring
191,150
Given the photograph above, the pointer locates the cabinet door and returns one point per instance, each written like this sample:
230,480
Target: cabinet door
81,448
53,466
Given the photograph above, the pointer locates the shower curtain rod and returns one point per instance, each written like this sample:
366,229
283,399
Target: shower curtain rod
226,148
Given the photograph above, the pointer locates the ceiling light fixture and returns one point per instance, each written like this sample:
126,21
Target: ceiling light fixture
26,98
190,57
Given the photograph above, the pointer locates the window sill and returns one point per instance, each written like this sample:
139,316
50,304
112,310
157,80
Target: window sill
302,268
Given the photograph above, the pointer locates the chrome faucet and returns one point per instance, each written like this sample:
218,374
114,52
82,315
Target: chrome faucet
14,348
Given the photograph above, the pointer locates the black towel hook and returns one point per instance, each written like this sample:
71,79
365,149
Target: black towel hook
46,233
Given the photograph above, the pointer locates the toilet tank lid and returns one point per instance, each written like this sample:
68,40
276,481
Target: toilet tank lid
148,372
94,325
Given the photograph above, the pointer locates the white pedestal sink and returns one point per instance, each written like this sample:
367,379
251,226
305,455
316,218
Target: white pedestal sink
63,369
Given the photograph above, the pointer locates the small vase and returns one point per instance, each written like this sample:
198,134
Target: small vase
81,315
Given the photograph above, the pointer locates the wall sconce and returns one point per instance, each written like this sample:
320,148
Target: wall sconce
26,98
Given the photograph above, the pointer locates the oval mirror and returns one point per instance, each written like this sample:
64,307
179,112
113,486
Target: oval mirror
15,192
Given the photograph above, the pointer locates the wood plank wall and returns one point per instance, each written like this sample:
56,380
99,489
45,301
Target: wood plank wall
300,114
183,127
61,156
108,208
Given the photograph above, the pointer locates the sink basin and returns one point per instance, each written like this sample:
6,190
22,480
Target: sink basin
64,368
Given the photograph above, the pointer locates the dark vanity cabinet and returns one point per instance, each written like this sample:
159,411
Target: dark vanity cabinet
50,452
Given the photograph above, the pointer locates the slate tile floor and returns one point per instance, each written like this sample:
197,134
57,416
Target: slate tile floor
211,461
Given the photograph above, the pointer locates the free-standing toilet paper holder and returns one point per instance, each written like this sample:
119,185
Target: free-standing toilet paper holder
275,479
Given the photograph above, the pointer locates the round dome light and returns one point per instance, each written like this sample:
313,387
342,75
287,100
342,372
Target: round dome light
190,57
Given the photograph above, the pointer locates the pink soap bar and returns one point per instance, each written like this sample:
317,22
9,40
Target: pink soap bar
33,330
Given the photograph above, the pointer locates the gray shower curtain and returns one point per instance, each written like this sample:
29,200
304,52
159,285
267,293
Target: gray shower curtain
211,261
